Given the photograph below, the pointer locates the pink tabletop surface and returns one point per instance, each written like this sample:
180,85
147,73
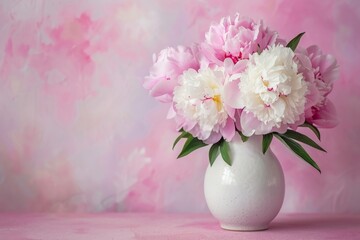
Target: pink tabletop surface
170,226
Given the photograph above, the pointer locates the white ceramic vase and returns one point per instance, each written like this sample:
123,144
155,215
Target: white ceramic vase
247,195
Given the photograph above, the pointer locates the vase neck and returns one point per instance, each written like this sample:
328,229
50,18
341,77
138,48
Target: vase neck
255,139
254,142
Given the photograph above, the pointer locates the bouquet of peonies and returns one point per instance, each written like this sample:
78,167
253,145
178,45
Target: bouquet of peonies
244,79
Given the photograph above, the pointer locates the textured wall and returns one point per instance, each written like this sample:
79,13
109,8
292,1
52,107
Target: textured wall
79,133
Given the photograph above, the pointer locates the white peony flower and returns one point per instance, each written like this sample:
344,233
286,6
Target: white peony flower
272,92
199,103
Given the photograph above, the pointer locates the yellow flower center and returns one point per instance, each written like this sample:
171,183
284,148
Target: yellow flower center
217,100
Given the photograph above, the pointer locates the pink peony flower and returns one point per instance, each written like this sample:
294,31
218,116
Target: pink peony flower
271,92
168,65
236,39
320,71
201,105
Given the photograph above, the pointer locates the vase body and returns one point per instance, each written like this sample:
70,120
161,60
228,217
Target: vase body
249,194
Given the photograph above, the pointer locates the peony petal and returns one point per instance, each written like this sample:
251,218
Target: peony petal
163,90
215,36
304,61
171,113
326,116
151,81
228,65
237,119
230,111
279,107
167,66
249,123
279,41
239,37
313,96
313,50
299,122
210,54
232,94
282,129
213,138
240,66
331,74
228,131
164,98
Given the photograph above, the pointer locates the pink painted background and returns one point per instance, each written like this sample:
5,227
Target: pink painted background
79,133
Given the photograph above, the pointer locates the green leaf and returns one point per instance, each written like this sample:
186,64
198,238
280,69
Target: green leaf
298,150
302,138
295,41
225,152
312,128
182,135
191,145
214,152
243,137
267,138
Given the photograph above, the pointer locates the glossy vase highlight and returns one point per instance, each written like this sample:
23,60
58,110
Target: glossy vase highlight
249,194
